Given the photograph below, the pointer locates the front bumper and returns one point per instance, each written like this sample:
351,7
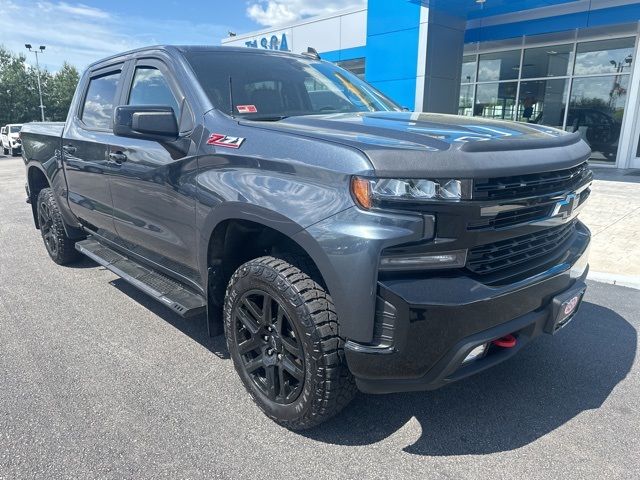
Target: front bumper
428,325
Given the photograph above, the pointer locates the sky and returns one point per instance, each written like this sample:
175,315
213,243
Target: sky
86,31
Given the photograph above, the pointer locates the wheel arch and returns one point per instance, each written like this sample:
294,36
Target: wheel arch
223,245
36,181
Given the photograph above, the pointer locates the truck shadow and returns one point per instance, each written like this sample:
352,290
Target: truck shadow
549,383
195,327
83,262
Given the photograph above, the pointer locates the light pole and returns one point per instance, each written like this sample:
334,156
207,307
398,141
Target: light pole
39,50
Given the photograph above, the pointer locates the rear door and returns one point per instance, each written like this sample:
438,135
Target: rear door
154,204
85,145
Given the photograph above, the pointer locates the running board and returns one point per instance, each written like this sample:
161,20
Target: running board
169,292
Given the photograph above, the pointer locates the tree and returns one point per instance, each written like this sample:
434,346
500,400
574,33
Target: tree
63,86
19,100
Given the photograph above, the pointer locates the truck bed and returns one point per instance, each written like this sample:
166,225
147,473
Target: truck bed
41,140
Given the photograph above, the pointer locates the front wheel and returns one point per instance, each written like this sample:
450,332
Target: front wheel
281,331
59,246
5,151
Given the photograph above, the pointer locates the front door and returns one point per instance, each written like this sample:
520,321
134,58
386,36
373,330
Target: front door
85,146
153,203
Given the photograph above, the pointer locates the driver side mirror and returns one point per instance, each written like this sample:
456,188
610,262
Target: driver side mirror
148,122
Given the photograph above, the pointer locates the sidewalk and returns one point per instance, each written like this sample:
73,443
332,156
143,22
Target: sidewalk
613,215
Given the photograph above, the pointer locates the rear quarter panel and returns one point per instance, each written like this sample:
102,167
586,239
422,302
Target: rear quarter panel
41,150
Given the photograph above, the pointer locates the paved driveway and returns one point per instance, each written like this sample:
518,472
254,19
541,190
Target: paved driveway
98,381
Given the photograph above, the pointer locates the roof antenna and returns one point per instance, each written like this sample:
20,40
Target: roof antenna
231,96
311,53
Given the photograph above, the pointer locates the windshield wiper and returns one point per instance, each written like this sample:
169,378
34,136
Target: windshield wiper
267,118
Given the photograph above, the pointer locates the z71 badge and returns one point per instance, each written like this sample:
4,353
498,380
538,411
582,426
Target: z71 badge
220,140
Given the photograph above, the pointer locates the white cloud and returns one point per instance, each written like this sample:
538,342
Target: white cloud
82,10
277,12
80,35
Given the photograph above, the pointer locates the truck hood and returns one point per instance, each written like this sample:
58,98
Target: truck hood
418,144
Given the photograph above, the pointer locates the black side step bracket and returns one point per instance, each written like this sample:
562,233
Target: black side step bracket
171,293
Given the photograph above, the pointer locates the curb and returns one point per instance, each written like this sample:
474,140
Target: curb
631,281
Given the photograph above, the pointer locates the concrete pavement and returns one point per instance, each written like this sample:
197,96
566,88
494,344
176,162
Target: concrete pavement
613,215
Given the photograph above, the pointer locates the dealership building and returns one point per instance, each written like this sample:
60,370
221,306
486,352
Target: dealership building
570,64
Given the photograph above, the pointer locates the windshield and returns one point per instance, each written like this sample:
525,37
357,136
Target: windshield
271,87
15,128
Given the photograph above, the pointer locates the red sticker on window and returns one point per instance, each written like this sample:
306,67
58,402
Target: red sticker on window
246,108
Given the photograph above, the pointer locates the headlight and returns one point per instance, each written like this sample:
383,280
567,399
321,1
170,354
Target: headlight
368,192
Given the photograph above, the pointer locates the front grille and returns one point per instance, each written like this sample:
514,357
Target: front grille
514,217
518,251
530,185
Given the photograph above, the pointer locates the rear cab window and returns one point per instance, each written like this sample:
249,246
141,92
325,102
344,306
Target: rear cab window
99,101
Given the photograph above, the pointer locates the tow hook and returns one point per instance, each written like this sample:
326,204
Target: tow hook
508,341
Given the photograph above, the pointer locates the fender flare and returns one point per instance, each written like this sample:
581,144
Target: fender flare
270,219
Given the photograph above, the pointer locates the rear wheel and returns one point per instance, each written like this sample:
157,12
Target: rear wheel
59,246
281,331
5,151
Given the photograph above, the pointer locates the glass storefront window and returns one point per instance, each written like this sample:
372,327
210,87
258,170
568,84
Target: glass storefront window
465,105
499,66
604,56
564,80
596,107
468,69
554,61
355,66
543,102
496,100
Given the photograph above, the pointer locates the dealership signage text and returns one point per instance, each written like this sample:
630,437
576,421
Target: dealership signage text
273,42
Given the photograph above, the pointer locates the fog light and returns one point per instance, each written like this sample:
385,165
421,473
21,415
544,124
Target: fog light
476,353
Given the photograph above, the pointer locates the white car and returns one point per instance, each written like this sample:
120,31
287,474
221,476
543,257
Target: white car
10,136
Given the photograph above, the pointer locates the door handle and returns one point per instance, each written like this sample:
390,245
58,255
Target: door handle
118,157
70,149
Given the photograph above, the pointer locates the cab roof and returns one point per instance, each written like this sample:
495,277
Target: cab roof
181,49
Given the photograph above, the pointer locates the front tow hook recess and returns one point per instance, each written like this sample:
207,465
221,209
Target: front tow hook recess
508,341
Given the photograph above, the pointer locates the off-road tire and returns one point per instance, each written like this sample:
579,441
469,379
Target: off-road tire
328,385
5,151
59,246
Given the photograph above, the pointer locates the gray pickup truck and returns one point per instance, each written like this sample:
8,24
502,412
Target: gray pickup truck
337,240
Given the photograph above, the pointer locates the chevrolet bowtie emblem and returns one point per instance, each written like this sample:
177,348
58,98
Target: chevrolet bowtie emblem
566,206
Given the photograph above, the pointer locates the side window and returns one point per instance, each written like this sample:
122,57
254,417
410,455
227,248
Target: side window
151,88
99,102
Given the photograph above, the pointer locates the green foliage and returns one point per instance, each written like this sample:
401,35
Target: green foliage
19,101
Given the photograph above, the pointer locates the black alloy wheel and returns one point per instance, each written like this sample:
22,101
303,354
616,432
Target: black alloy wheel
45,220
269,346
59,246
